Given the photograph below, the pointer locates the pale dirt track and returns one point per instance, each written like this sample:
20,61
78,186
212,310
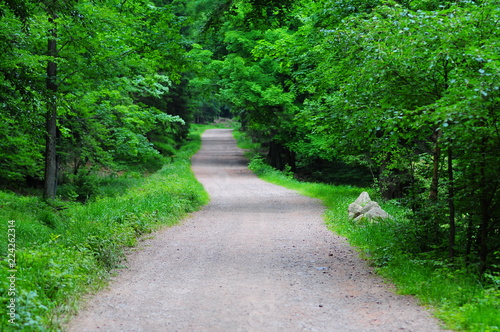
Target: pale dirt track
258,257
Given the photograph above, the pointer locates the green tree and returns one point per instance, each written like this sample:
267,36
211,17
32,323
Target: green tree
20,145
111,69
395,87
407,89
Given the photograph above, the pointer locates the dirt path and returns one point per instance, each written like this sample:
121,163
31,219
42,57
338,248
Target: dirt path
257,258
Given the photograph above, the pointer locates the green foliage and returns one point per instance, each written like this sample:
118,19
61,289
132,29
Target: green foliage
20,145
66,248
407,91
259,167
404,91
245,142
454,292
119,69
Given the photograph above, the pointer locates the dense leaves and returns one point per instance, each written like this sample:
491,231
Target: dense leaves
404,92
407,89
114,67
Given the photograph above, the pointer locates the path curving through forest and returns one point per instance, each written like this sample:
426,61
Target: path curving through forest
258,257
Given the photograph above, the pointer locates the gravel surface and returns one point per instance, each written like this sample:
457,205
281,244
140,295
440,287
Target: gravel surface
258,257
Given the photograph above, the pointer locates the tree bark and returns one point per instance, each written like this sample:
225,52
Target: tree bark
484,204
274,155
50,180
279,156
436,155
451,205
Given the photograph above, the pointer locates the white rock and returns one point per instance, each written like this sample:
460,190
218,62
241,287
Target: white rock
364,208
370,205
363,199
376,213
354,210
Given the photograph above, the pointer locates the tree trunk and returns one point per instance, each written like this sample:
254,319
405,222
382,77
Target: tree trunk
50,179
484,204
279,156
483,235
470,240
274,155
436,155
451,205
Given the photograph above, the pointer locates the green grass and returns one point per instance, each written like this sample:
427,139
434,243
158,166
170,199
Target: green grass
65,249
458,297
244,142
199,128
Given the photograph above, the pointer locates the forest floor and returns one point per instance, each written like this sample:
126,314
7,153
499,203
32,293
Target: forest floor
258,257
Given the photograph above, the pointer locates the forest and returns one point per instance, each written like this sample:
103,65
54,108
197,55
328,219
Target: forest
99,96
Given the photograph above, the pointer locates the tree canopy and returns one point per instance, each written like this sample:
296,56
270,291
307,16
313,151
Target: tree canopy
107,81
408,90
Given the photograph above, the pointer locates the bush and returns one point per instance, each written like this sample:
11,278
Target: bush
394,247
68,246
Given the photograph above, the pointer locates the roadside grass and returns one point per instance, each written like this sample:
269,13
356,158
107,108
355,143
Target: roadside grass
245,143
65,249
458,297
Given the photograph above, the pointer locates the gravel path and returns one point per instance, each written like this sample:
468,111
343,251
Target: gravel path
258,257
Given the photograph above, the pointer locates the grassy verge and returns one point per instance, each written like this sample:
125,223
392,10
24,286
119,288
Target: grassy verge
220,124
459,298
66,249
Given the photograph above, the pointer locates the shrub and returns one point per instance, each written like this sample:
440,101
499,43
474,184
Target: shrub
68,246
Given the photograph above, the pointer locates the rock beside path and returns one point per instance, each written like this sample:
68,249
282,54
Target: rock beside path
364,208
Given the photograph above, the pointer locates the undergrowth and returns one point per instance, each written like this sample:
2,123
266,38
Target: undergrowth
64,249
463,300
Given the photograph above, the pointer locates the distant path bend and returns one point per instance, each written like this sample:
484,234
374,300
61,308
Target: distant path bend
258,257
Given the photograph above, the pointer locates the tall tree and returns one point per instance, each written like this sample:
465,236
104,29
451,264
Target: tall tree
109,69
50,178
